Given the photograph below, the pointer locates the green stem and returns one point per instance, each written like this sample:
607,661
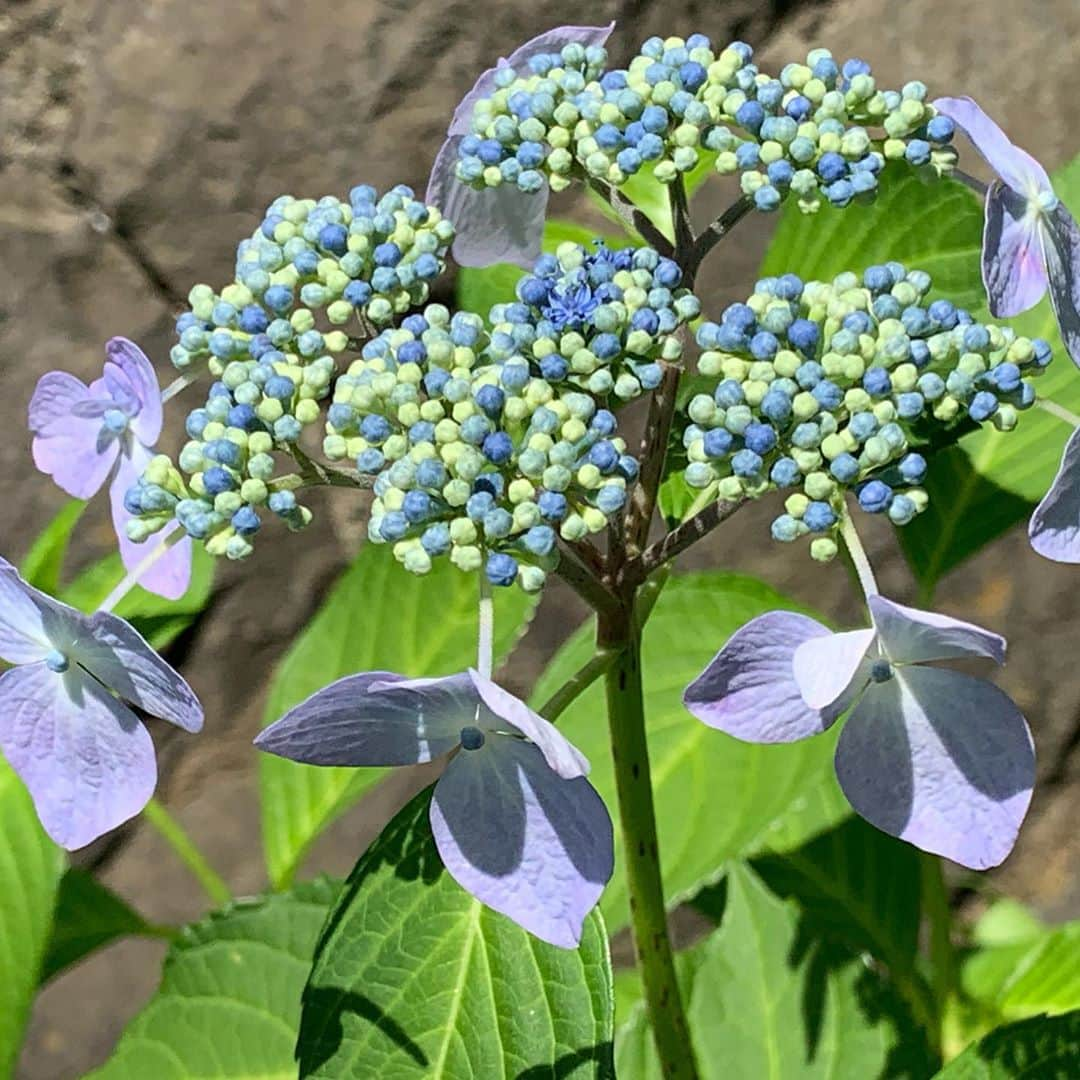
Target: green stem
626,718
172,832
576,685
935,903
1054,409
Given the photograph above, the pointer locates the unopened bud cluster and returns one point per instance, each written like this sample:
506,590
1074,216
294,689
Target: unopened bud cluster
822,130
820,387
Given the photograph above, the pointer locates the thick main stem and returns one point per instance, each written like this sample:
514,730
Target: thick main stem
618,634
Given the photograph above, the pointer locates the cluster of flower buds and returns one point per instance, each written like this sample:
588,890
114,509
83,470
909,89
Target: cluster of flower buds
474,455
820,386
821,130
316,261
601,319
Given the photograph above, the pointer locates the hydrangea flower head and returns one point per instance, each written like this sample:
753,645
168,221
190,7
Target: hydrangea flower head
937,758
515,821
87,436
1031,242
66,727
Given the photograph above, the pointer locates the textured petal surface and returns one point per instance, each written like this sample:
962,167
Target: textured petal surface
749,688
941,760
126,359
1054,529
1015,166
561,755
170,574
522,839
23,633
118,656
825,667
375,718
503,224
86,759
1061,246
66,446
1013,265
910,636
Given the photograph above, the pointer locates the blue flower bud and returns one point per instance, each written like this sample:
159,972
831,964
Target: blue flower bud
501,569
875,496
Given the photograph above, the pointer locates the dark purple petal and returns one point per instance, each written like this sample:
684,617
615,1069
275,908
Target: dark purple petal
1061,247
1013,266
127,360
67,446
829,670
748,689
118,656
375,718
942,760
560,754
502,224
170,574
523,840
910,636
1054,529
85,757
23,633
1015,166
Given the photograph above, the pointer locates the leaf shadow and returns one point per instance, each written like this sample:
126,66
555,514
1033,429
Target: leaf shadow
601,1055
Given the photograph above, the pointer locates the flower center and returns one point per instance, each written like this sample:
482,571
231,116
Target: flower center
472,738
57,661
115,421
881,671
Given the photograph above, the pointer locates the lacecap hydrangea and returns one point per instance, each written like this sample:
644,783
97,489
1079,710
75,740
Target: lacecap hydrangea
821,130
822,388
600,319
474,455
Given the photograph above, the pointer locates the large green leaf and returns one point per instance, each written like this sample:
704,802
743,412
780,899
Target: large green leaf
89,916
767,998
716,797
990,480
44,561
377,617
228,1007
1037,1049
30,869
415,978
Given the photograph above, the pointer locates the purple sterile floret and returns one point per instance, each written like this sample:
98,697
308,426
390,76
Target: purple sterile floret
501,224
87,436
65,725
940,759
516,822
1054,528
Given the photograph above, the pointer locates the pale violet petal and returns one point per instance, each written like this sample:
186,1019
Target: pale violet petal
749,690
910,636
827,667
561,755
1054,529
85,757
942,760
1013,264
23,634
375,718
1015,166
1061,246
138,373
521,839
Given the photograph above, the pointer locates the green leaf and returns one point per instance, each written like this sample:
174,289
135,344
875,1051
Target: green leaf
415,978
45,559
479,290
228,1007
1037,1049
157,619
88,916
30,869
377,617
716,797
767,998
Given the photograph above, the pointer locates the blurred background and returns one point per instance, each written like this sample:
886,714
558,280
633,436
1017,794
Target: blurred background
141,139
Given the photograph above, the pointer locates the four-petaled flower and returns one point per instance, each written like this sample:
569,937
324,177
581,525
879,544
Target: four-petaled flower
84,755
1030,241
515,821
501,224
87,436
940,759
